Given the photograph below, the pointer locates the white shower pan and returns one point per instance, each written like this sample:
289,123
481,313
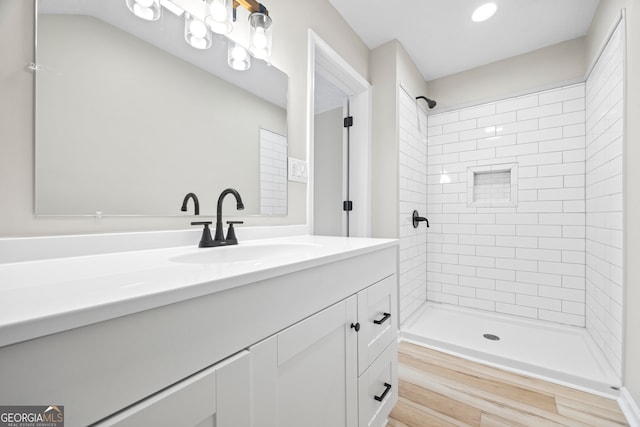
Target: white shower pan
563,354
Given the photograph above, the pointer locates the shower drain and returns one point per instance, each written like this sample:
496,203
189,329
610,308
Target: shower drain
492,337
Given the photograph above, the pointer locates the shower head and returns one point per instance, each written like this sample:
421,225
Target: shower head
430,102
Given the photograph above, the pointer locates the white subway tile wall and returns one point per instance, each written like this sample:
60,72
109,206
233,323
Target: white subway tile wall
528,259
273,173
413,185
604,221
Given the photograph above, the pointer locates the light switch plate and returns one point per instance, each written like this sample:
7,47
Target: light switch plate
297,170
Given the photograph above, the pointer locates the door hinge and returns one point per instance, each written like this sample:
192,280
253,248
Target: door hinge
347,205
348,121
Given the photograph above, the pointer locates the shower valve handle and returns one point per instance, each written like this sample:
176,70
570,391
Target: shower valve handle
417,219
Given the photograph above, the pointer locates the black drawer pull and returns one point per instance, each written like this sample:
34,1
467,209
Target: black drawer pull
384,393
384,319
355,326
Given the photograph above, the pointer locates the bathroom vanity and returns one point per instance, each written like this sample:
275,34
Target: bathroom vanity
276,332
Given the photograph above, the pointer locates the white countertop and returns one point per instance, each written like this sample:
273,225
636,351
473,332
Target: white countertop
42,297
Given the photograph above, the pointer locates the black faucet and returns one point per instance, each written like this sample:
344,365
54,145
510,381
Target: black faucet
219,239
196,205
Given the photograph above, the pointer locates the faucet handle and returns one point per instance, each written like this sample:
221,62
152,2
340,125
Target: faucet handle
231,233
206,240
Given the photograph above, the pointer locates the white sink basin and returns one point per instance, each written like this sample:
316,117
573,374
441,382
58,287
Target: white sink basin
246,253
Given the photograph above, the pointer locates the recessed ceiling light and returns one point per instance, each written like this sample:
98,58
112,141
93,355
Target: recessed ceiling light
484,12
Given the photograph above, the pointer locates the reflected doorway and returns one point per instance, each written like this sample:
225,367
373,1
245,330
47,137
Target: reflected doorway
340,158
330,158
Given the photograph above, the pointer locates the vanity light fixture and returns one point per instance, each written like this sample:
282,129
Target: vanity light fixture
196,32
204,17
484,12
237,57
148,10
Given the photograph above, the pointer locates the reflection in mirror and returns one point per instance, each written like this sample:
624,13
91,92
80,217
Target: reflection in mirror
130,118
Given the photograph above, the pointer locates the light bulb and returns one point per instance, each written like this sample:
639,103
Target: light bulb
237,57
259,39
218,12
196,32
238,53
198,28
219,16
149,10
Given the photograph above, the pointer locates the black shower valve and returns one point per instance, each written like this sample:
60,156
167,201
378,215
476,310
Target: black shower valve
417,219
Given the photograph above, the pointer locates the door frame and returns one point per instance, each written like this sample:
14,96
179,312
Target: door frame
324,59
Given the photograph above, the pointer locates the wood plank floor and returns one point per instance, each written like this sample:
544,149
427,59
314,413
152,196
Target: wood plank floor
437,389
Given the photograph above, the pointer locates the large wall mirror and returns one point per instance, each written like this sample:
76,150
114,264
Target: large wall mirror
130,118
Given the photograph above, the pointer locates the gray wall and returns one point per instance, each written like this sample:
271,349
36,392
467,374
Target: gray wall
16,114
390,68
560,63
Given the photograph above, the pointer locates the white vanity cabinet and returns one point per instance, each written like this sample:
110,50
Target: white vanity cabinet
219,396
275,349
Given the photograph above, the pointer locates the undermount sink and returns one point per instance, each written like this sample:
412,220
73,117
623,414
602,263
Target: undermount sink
246,253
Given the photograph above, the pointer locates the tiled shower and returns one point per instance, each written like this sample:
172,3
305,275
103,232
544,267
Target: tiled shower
524,199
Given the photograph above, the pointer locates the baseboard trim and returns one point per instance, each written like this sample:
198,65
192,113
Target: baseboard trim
629,407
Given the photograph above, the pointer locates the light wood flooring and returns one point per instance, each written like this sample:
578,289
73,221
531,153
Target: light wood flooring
437,389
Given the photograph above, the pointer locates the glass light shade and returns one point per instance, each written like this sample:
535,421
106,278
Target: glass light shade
237,57
260,35
196,32
220,15
148,10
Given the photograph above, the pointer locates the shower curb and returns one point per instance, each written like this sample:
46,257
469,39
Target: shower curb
629,407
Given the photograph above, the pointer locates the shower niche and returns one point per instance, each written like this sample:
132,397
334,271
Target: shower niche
492,186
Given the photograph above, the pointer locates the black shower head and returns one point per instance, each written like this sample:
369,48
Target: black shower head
430,102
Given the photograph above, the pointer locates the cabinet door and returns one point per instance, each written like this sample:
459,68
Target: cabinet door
219,396
377,314
306,375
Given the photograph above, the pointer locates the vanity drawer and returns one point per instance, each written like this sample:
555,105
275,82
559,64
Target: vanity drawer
377,314
378,390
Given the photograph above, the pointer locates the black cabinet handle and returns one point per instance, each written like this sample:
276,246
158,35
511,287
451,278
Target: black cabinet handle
384,393
356,326
384,319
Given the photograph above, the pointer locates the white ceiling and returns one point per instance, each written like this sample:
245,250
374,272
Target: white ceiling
442,40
